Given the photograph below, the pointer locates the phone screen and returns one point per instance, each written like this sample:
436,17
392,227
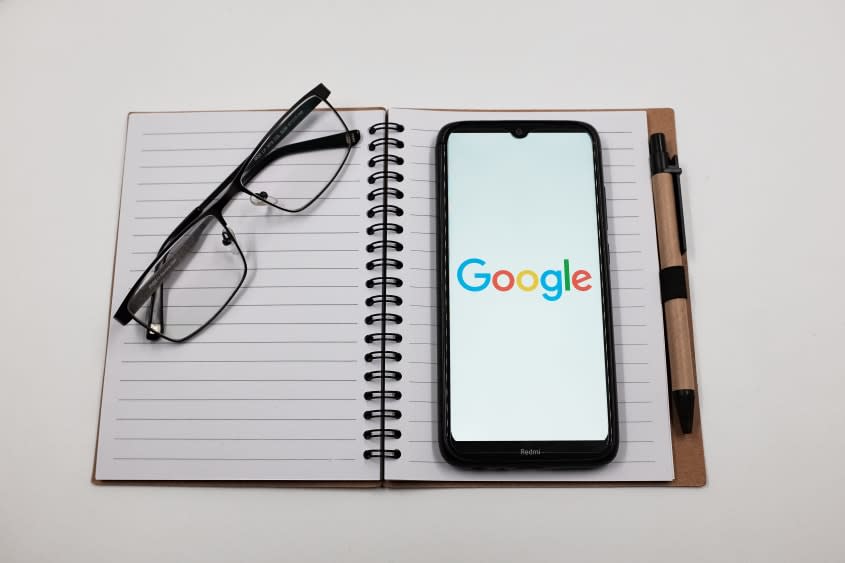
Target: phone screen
526,337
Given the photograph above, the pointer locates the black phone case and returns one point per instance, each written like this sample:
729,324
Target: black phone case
538,454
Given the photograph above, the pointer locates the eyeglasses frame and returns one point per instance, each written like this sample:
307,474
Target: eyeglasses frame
265,153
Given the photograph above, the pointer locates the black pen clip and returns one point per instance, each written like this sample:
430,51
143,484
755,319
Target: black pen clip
675,171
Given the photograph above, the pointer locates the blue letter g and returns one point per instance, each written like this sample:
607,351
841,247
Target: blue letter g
485,278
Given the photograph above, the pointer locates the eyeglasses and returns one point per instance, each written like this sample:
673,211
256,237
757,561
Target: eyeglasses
200,266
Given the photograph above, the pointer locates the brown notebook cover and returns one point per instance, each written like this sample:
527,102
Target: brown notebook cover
687,449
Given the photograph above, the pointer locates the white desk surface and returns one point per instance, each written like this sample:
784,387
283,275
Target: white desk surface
759,93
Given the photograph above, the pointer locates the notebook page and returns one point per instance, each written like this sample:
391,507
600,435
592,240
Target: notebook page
273,390
645,452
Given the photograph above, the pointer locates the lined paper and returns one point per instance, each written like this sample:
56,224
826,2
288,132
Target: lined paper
645,452
274,388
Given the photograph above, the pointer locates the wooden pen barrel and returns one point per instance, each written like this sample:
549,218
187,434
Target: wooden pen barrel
675,311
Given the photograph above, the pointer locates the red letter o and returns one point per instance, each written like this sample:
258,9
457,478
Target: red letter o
508,275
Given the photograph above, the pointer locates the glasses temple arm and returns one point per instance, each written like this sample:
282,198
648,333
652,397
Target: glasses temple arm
291,118
347,139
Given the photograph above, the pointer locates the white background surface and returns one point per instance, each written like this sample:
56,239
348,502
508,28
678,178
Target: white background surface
758,90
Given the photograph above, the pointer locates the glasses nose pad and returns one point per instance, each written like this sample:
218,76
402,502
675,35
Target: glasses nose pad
227,240
261,198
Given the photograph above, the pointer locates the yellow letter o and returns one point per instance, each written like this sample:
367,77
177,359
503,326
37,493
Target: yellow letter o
534,280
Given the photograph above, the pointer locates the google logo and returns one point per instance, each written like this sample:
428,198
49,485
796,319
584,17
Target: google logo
554,282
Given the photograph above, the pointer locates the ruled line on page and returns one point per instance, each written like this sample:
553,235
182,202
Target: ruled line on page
253,287
232,132
235,164
170,419
296,380
241,216
224,342
188,399
228,439
259,268
217,182
299,234
199,199
262,323
252,250
249,361
233,305
232,459
189,149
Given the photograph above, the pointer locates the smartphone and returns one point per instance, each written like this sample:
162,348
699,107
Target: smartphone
525,341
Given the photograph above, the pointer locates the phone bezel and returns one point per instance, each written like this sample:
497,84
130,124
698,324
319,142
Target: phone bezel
506,454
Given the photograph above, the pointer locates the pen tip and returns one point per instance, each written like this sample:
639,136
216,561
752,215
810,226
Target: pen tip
685,408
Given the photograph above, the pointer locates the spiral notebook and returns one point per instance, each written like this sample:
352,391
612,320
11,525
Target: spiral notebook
322,369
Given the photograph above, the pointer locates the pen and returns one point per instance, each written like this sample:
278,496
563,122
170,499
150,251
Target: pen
671,242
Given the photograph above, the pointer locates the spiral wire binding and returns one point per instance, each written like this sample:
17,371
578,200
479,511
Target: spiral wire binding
385,209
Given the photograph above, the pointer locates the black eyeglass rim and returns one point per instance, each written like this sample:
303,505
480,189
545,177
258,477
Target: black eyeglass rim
129,316
220,197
